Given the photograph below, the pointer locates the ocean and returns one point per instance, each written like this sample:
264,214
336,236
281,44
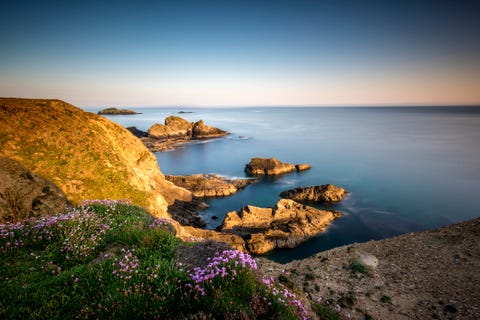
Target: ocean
406,168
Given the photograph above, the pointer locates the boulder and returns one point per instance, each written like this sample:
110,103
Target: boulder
285,226
272,166
161,131
209,185
201,131
323,193
179,123
24,194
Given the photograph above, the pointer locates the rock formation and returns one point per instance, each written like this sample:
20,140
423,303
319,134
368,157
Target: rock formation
284,226
272,166
85,155
24,194
177,130
116,111
176,127
323,193
209,185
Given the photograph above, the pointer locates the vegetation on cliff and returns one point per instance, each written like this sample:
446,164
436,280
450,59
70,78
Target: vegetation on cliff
109,259
87,156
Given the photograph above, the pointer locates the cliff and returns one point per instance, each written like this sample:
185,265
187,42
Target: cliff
85,155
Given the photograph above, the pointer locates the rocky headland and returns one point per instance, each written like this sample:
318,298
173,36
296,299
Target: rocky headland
209,185
322,194
87,156
283,226
116,111
272,166
175,131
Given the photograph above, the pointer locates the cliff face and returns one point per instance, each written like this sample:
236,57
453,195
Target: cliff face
87,156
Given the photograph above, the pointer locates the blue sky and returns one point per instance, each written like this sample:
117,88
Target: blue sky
222,53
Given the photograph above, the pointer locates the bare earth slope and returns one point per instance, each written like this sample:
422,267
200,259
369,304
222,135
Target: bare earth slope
87,156
426,275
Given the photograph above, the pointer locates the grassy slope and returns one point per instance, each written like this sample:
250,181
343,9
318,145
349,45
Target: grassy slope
112,260
87,156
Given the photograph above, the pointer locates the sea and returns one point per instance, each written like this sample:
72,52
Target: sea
407,168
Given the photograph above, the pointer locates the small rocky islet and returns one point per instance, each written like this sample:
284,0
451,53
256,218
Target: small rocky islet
117,111
175,131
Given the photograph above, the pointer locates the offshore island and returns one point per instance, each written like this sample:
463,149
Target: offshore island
92,194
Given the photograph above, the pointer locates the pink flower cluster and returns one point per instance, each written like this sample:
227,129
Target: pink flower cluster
127,266
285,297
223,265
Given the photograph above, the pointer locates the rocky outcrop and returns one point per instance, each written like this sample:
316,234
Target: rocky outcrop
176,127
24,194
177,130
272,166
209,185
302,166
284,226
87,156
116,111
323,193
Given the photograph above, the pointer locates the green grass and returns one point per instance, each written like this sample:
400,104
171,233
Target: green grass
359,267
111,260
325,312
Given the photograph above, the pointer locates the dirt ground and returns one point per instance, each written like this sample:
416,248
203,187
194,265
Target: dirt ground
425,275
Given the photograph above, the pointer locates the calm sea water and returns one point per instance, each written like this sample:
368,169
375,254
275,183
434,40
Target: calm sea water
408,169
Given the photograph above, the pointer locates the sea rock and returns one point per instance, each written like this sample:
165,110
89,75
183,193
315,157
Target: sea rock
116,111
24,194
201,131
284,226
323,193
209,185
302,167
177,130
271,166
87,156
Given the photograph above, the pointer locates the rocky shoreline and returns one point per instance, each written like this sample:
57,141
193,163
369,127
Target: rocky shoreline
422,275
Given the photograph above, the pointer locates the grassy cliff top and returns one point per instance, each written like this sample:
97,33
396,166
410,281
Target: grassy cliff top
87,156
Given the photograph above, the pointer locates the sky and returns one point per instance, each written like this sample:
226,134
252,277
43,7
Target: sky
241,53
